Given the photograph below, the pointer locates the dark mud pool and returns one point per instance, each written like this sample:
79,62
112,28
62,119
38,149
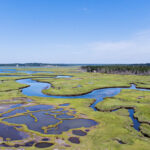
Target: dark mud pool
74,140
79,132
43,145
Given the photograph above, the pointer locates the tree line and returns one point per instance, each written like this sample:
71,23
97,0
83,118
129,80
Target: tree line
119,69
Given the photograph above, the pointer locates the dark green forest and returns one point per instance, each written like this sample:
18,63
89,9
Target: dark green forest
119,69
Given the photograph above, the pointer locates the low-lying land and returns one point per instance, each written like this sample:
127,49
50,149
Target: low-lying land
113,129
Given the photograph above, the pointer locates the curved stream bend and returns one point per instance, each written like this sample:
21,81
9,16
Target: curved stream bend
36,87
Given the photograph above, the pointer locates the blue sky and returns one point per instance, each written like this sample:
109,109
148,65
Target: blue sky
75,31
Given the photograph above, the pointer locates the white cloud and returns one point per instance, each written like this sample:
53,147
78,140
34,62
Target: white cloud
111,46
134,50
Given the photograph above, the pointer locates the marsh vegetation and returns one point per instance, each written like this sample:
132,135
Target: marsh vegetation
60,116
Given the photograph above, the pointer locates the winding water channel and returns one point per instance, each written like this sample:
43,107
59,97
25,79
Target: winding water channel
35,89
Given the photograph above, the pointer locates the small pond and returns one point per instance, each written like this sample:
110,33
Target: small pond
14,134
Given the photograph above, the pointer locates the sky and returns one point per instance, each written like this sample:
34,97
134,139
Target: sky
75,31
